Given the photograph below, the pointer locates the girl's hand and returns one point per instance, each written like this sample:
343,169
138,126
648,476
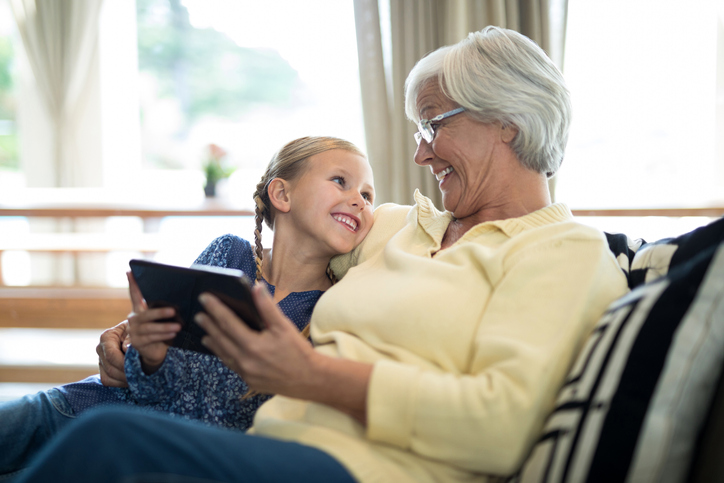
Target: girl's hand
277,360
150,338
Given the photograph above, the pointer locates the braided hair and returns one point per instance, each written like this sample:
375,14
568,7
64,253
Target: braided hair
289,164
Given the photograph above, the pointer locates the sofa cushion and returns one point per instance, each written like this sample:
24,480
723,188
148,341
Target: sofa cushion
634,402
654,260
708,465
624,249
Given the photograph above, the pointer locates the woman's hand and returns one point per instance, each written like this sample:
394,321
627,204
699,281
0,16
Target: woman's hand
278,360
111,352
150,338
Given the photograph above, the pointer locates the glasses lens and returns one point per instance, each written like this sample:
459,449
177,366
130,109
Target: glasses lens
418,137
427,133
424,131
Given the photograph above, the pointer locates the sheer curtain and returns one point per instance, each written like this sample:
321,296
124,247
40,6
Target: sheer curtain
417,27
60,38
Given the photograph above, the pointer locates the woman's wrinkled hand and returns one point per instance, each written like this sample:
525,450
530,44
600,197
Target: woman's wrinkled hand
111,353
277,360
149,337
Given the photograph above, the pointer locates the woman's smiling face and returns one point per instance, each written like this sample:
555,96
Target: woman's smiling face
463,155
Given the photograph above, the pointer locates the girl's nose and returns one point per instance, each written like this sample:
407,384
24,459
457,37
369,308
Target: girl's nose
357,200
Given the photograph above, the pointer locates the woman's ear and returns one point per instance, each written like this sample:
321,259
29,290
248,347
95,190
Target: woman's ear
279,195
508,133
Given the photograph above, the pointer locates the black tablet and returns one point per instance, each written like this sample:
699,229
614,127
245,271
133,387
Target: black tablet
179,287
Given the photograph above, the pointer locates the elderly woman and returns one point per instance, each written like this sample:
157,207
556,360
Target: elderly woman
438,356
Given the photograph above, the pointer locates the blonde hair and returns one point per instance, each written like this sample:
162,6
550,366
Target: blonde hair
289,163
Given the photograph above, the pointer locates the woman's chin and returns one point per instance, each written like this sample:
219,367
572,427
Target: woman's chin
449,202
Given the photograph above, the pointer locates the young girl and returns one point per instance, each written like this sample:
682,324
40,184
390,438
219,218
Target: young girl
317,195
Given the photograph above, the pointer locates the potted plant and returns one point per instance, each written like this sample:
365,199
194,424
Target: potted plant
214,169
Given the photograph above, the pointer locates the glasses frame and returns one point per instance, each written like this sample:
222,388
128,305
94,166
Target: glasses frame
424,126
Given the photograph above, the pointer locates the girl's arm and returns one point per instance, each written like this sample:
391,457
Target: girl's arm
191,384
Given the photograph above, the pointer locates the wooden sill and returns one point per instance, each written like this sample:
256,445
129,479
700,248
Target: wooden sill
46,374
713,212
79,308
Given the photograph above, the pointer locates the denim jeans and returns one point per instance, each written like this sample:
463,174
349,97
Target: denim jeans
26,424
124,445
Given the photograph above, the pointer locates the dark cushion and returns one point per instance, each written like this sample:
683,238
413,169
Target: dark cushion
644,262
634,403
653,260
624,249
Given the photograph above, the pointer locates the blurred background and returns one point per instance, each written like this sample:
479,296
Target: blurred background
158,92
170,78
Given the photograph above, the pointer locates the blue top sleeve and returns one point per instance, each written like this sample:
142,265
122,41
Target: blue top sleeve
195,385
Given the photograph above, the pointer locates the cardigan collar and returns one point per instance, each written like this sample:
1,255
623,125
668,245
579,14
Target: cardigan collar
435,222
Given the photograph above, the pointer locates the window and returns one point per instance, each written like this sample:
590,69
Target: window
242,76
9,159
173,77
247,79
646,108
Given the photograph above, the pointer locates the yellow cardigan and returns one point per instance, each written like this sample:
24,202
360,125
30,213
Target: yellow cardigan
469,347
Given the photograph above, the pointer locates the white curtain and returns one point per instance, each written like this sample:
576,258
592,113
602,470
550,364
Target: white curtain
61,41
392,36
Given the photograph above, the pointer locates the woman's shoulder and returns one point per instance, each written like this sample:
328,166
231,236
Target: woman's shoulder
389,218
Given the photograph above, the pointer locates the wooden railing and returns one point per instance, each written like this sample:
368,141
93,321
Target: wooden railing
71,308
100,308
74,203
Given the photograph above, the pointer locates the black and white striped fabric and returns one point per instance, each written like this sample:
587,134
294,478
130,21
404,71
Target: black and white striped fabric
635,400
654,260
624,249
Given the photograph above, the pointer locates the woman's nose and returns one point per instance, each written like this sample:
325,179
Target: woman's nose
423,153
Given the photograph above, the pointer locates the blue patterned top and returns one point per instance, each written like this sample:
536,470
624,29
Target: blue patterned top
190,384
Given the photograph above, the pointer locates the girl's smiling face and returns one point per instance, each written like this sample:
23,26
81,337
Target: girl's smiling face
332,200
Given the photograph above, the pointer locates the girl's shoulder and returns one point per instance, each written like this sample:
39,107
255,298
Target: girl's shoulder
229,251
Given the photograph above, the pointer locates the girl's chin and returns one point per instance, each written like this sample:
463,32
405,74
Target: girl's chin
342,246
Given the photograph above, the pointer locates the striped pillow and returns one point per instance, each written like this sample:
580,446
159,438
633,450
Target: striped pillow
636,398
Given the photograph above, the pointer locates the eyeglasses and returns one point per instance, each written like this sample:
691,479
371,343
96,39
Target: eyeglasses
424,127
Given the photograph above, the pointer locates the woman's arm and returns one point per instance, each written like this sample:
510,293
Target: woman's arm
278,361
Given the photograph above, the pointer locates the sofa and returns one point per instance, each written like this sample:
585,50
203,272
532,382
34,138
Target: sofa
644,401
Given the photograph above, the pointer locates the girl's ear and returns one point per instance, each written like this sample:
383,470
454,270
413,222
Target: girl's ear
279,195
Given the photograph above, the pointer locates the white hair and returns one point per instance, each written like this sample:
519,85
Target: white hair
499,75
